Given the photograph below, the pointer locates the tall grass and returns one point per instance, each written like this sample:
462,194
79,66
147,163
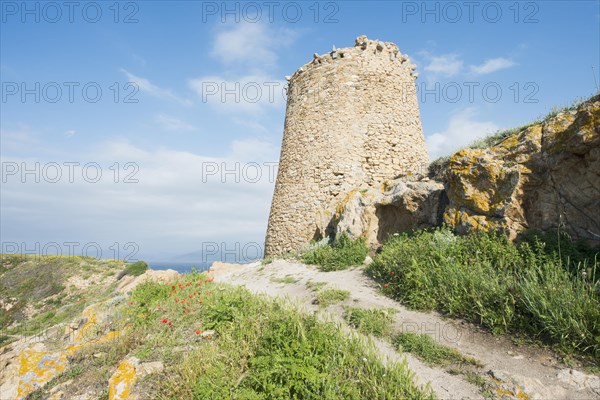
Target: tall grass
528,288
342,253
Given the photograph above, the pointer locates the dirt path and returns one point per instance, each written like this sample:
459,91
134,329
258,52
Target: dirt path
510,371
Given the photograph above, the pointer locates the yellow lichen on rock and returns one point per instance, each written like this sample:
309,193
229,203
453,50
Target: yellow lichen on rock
122,381
539,177
37,366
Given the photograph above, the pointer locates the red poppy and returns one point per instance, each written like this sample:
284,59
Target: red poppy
173,287
164,321
385,285
392,273
169,323
198,331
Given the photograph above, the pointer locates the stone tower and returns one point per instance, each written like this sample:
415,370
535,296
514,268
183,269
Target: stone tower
352,121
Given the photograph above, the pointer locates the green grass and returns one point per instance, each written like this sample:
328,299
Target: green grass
327,297
376,322
340,254
527,289
288,279
427,350
261,349
133,269
499,136
315,286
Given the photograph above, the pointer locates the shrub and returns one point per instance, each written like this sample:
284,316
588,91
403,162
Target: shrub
341,254
487,279
133,269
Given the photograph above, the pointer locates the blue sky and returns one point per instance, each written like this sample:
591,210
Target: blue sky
163,133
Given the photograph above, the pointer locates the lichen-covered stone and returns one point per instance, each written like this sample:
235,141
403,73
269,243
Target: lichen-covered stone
543,177
400,206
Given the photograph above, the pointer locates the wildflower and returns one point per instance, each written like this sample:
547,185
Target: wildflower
392,273
164,321
173,287
385,285
131,303
191,295
198,331
187,310
169,322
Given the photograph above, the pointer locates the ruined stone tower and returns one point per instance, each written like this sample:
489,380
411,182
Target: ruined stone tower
352,121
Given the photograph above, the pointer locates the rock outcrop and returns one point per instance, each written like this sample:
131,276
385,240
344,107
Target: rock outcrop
542,177
398,206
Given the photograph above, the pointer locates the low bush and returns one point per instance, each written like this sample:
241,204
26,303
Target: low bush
341,254
526,288
133,269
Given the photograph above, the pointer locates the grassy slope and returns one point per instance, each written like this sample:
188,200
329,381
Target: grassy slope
36,288
252,348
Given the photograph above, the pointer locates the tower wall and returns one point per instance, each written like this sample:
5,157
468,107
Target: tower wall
352,120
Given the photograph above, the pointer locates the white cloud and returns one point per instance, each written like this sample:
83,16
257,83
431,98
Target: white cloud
20,139
148,87
462,130
250,43
444,65
182,199
491,65
171,123
70,133
250,94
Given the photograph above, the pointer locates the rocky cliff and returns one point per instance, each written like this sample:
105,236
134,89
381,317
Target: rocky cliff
541,177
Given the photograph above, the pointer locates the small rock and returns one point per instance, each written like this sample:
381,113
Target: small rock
579,380
208,334
499,375
148,368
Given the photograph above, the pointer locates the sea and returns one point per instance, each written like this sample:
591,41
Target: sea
181,267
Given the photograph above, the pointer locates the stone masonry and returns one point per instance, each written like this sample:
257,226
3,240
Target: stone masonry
352,121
